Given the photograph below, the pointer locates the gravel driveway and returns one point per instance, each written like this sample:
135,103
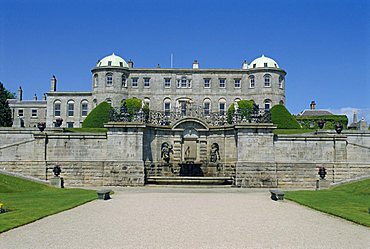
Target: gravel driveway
155,217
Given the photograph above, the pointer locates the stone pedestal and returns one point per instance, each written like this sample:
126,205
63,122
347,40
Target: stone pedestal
322,184
57,181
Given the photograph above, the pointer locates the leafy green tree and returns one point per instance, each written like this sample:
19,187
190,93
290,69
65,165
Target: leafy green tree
282,118
5,112
98,116
245,107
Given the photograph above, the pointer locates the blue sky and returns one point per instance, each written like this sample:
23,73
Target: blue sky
323,45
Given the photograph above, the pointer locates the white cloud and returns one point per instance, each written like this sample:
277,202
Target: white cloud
361,113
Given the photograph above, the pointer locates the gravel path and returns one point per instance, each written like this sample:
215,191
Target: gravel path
188,218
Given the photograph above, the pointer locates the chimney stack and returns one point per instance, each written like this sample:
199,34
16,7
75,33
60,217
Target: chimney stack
245,65
313,105
354,117
53,87
20,93
130,64
195,64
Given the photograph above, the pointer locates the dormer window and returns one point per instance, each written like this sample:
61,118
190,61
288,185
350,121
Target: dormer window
121,64
109,63
254,65
265,64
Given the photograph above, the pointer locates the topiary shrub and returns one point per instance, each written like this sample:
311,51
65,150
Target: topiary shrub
98,116
281,117
133,105
245,107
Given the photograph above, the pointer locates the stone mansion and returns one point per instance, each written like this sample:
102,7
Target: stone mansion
163,89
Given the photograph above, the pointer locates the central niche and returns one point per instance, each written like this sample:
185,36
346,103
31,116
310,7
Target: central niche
190,145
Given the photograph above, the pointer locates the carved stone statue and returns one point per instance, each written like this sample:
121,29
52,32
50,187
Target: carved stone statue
166,149
215,154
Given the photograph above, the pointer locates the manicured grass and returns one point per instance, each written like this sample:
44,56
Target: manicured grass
349,201
293,131
28,201
91,130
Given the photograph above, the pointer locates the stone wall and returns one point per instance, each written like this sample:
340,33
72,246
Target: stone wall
249,153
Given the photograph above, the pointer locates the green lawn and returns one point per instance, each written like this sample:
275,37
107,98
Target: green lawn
28,201
293,131
349,201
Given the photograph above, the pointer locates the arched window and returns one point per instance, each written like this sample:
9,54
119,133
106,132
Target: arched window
109,79
281,102
84,108
281,82
222,106
57,107
167,106
146,101
71,108
124,81
207,107
96,80
109,101
267,104
252,81
267,79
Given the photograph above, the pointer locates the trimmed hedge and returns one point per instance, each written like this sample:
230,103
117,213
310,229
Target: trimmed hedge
133,105
245,107
98,116
310,122
282,118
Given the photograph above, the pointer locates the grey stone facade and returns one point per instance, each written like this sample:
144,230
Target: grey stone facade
164,89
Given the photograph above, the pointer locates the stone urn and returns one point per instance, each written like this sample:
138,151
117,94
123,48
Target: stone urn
58,122
338,127
321,124
41,126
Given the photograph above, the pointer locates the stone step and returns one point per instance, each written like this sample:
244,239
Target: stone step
189,180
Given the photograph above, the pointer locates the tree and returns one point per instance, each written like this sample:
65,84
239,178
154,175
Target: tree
98,116
245,107
5,112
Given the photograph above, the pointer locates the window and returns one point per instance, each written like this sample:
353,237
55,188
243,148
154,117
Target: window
222,106
184,83
70,124
254,65
167,107
96,80
222,83
134,82
109,63
124,81
71,108
281,80
251,82
146,82
57,108
167,82
34,113
20,113
207,83
121,64
109,101
84,108
265,64
206,107
109,79
267,104
267,78
237,83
